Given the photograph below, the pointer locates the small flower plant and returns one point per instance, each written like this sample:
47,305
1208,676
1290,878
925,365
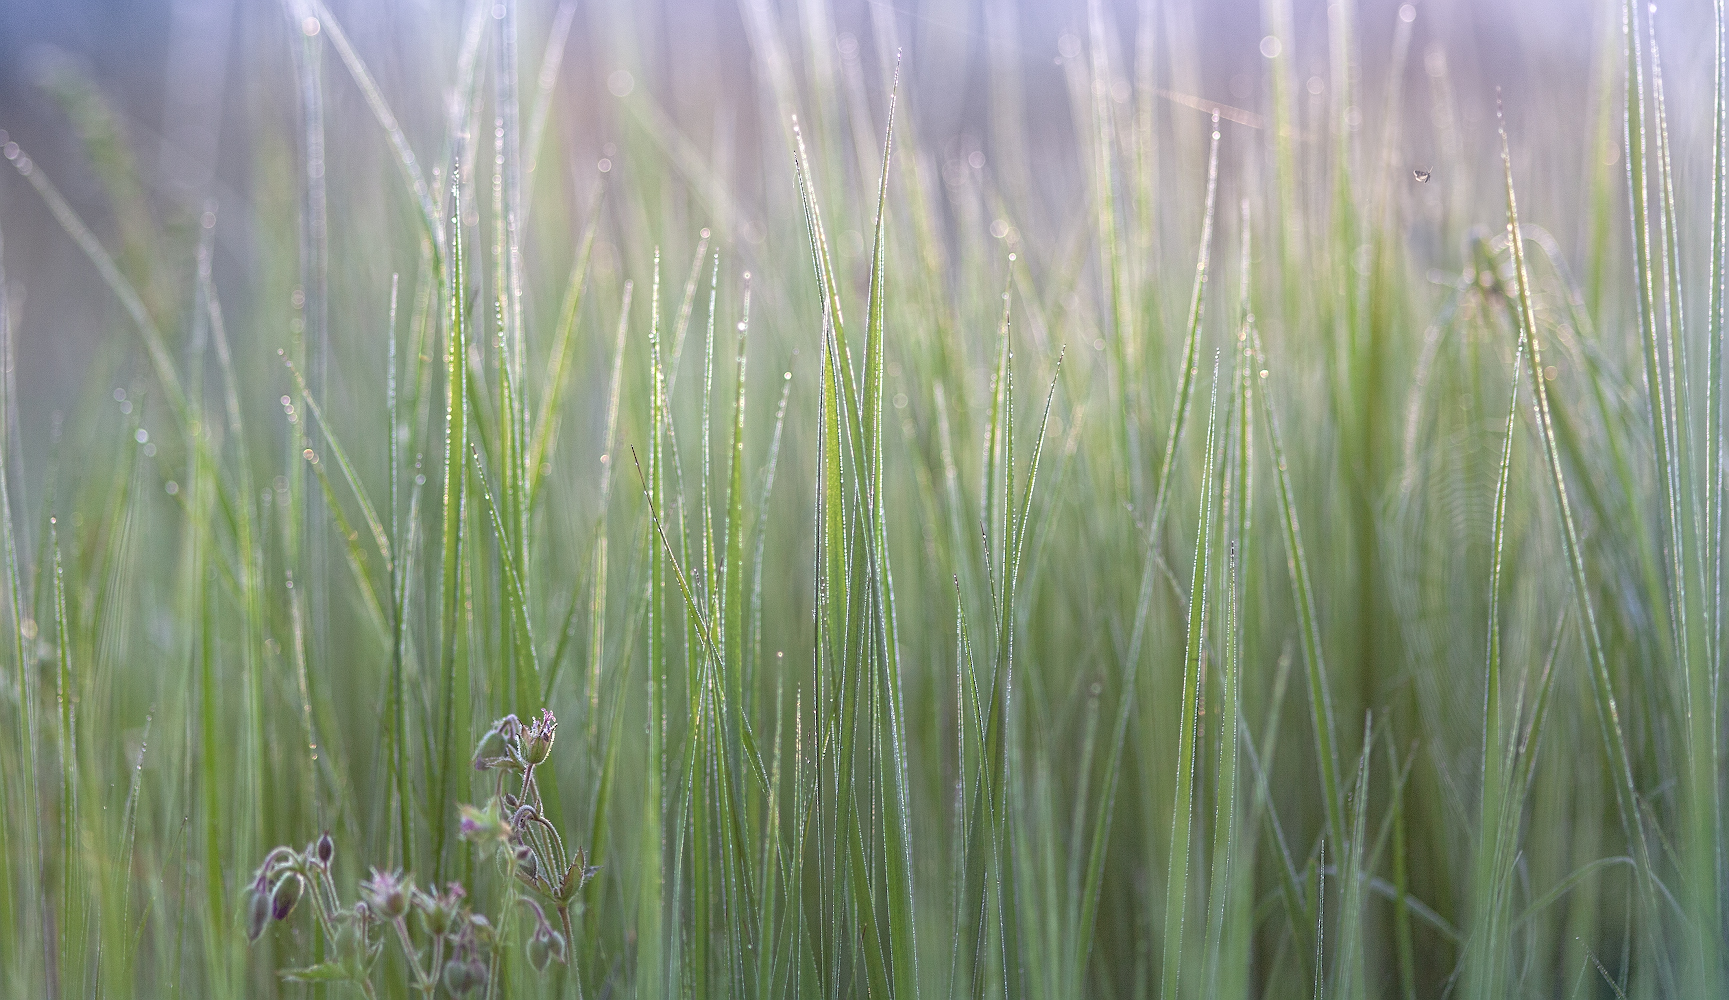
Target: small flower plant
447,943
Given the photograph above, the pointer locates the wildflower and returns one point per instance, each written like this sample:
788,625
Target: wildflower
457,944
482,825
387,892
537,745
441,912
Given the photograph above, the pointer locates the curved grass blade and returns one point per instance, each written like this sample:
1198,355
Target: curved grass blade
161,362
405,161
373,524
1602,686
1296,563
563,350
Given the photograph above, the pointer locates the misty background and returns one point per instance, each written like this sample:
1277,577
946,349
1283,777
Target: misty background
197,87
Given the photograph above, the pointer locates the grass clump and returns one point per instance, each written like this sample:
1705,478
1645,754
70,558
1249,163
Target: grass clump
871,675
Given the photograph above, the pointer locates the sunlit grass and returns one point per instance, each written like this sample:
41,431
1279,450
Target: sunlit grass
871,674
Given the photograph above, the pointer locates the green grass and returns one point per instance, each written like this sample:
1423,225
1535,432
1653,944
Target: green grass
875,676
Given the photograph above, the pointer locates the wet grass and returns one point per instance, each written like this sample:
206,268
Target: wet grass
874,675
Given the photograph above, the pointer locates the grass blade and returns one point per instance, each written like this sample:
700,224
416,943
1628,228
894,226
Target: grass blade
1194,659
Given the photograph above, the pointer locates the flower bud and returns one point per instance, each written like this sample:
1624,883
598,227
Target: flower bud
545,947
257,913
324,849
575,877
539,952
458,977
284,897
527,862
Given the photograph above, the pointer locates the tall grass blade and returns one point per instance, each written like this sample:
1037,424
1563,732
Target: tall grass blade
1296,563
1194,661
1602,685
454,703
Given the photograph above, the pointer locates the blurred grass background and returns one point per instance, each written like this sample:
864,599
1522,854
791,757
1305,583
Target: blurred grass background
1093,551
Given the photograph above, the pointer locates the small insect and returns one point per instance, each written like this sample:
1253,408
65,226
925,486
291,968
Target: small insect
1422,176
